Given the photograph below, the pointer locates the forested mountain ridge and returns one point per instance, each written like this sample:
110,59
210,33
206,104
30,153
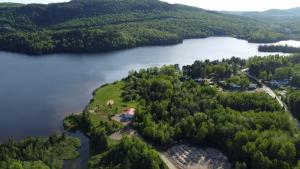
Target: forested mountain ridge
41,15
272,12
102,25
283,21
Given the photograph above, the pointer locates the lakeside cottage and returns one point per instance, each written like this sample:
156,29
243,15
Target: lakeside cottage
278,83
233,86
128,114
199,80
252,86
203,81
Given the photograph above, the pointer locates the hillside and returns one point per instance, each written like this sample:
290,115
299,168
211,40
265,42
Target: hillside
285,22
10,5
103,25
293,12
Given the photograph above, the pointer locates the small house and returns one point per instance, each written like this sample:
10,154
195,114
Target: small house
222,82
275,83
128,114
234,86
252,86
200,80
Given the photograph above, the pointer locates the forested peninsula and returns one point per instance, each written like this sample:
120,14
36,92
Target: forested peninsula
208,103
102,25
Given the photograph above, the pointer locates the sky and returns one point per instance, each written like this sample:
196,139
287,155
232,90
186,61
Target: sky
228,5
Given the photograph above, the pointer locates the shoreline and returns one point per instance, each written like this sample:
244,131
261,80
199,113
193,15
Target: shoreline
138,46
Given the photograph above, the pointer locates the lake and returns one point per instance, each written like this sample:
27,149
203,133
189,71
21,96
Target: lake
36,93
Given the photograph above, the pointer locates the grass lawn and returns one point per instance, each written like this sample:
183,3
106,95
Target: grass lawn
98,109
109,92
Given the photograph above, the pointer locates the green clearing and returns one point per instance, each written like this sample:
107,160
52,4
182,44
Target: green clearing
98,114
105,93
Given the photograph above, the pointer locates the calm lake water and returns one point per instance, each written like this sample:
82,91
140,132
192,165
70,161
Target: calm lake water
36,93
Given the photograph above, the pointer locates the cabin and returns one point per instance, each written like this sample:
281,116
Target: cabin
233,86
128,114
252,86
275,83
199,80
204,81
278,83
222,83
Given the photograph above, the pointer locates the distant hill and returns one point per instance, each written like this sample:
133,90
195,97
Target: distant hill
102,25
293,12
90,12
285,22
10,5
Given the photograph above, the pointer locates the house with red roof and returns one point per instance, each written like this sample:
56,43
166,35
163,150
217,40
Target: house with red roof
128,114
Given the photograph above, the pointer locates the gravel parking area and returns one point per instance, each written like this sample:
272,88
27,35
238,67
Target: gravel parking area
187,157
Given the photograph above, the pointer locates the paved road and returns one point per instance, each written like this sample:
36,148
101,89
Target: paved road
270,92
267,89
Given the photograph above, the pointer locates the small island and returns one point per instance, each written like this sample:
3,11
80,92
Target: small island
279,48
177,117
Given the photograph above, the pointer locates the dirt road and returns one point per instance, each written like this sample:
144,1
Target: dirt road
167,161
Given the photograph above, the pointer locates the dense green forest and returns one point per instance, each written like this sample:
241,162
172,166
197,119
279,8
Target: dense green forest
219,70
102,25
293,102
251,128
278,48
130,153
38,153
280,68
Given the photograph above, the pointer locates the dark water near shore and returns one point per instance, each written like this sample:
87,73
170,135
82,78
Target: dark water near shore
36,93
